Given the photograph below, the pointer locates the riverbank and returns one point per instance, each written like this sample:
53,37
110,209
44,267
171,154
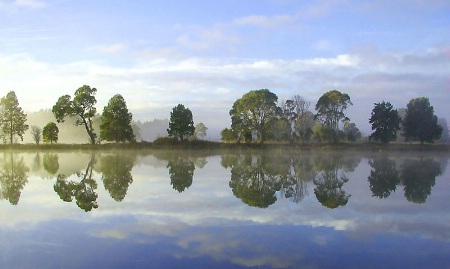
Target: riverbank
208,145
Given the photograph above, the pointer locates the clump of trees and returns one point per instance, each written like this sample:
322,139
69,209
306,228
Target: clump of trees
256,116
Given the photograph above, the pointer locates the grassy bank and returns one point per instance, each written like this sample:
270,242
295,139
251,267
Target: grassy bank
208,145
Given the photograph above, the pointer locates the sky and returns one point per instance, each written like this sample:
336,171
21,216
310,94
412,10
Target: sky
207,54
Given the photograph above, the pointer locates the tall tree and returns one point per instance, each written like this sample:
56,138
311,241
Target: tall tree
330,111
82,106
36,134
181,124
12,117
116,121
254,112
50,132
420,123
301,120
385,122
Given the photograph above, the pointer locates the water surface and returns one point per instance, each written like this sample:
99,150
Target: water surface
156,209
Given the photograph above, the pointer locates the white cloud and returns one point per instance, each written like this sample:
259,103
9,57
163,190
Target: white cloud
153,86
108,49
4,5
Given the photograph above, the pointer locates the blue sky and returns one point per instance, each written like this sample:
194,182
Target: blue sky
207,54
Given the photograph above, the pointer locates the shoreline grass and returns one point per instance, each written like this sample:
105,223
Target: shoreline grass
209,145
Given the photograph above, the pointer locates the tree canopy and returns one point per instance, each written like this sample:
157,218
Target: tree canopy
254,112
12,117
200,130
116,121
82,106
181,124
420,123
330,111
385,122
50,132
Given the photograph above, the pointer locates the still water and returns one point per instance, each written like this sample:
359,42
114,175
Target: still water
155,209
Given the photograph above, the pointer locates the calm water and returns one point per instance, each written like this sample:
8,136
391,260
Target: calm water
203,210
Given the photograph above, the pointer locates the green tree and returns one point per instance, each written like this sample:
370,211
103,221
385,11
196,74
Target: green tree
385,122
351,132
181,124
50,132
228,135
12,117
36,134
82,106
330,111
420,123
254,112
200,130
116,121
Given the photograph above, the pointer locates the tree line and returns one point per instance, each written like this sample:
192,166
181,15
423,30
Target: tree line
255,117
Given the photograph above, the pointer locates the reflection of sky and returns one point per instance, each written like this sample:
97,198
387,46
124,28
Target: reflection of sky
206,226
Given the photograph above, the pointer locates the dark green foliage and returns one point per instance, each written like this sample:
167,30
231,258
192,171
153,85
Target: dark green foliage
116,121
116,174
254,112
12,117
418,177
83,191
420,123
330,111
181,124
82,106
385,122
50,133
384,177
181,172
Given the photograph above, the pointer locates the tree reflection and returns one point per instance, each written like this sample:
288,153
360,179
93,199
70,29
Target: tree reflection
116,174
51,163
418,177
181,171
254,181
13,177
331,178
300,172
384,177
36,162
83,191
